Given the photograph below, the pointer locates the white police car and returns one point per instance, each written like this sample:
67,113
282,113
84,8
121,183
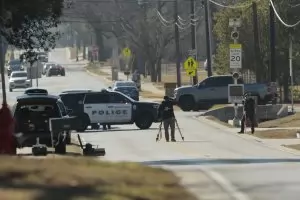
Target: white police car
109,107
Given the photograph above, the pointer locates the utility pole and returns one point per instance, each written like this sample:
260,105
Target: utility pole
256,51
291,68
208,37
178,59
193,37
272,44
2,58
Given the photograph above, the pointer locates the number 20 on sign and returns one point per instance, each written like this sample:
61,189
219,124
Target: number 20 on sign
235,56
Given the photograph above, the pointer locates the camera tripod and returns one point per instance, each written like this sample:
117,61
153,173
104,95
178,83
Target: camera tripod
159,134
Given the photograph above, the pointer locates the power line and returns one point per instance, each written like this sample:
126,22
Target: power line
126,1
279,18
232,7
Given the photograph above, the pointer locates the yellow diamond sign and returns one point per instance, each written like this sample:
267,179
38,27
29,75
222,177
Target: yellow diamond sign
126,52
190,64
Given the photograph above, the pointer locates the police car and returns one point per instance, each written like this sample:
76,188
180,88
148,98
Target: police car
109,107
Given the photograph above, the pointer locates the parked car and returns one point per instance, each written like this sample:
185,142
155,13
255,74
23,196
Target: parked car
32,114
46,67
19,79
131,91
124,83
55,71
14,65
214,90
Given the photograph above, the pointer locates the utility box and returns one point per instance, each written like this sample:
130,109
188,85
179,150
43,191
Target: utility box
169,89
114,73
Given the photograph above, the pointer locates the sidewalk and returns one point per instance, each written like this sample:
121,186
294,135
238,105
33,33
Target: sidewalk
272,143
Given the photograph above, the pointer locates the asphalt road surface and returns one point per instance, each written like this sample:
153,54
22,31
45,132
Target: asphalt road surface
213,162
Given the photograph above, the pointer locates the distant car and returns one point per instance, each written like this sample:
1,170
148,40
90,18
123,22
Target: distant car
124,83
14,65
55,71
18,79
46,67
131,91
42,56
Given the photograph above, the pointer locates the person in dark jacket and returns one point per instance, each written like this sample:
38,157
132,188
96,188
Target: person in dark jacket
249,113
167,115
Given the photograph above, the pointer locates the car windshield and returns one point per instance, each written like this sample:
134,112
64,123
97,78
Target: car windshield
15,62
126,88
20,74
49,65
125,83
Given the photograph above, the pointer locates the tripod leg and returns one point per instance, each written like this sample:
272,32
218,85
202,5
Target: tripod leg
159,134
179,130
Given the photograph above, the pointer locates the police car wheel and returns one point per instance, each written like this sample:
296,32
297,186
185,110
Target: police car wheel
85,121
144,121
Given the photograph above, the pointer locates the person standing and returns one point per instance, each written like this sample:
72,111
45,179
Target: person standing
166,113
249,114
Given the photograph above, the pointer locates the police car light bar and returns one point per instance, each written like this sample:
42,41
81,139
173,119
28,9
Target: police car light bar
235,93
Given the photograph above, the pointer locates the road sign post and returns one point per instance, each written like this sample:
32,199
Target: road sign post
235,61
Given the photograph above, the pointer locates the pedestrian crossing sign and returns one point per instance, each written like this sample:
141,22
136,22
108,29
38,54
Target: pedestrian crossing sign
126,52
190,64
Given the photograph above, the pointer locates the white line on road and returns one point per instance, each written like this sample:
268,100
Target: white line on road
226,185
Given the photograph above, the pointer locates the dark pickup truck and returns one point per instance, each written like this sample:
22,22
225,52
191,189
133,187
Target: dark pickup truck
214,90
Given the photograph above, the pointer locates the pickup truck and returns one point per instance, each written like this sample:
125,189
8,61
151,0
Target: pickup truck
214,90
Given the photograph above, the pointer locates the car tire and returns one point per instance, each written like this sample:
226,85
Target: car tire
10,89
186,103
84,123
144,121
63,74
61,147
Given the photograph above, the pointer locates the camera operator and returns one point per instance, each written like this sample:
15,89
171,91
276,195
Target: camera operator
249,113
166,113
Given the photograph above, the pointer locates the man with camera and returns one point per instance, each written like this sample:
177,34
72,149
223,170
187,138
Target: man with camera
249,114
166,113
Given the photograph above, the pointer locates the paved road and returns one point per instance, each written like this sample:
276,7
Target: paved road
213,162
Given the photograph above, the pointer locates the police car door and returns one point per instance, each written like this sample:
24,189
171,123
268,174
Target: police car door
120,108
95,106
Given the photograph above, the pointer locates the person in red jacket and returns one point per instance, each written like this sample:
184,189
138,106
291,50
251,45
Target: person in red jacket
7,140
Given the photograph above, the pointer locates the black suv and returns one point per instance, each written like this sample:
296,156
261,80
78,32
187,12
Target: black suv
109,107
32,113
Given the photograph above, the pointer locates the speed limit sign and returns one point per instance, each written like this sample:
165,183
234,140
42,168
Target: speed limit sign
235,56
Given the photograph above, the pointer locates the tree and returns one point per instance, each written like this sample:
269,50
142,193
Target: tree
222,33
30,26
